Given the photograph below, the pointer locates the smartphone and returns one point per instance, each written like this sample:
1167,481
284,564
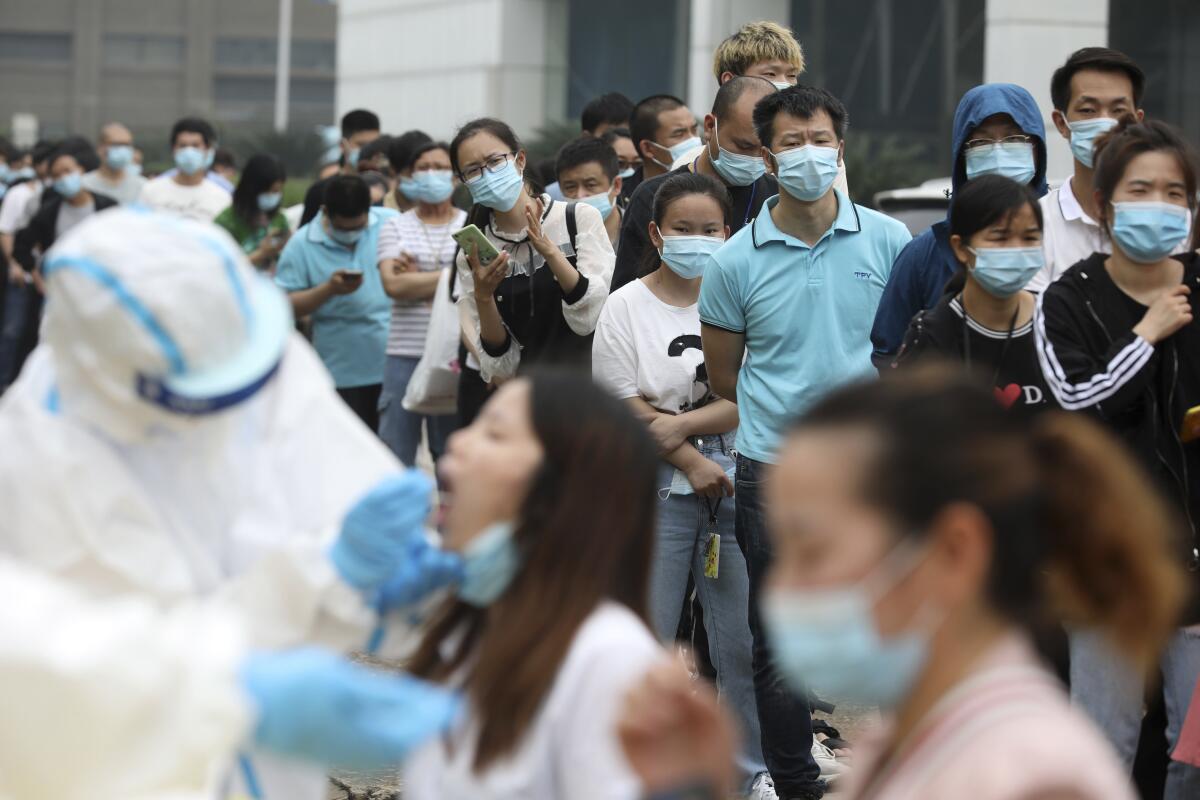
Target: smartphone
1191,425
353,273
471,237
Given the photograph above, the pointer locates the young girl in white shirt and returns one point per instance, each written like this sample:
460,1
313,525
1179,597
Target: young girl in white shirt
552,507
647,353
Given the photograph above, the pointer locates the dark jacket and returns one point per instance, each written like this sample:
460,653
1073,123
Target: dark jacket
38,236
1008,362
924,266
1094,362
635,236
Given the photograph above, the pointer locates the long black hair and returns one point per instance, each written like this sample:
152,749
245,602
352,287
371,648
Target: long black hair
674,188
261,172
981,203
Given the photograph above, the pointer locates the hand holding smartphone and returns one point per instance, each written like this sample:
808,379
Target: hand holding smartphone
471,239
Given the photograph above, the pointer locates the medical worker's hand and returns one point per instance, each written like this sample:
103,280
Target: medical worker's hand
425,570
381,529
319,707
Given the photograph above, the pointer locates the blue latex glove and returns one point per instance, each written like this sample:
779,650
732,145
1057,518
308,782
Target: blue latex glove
321,708
381,529
425,570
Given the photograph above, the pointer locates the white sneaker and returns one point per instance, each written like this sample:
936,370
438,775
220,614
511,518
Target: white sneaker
763,788
831,768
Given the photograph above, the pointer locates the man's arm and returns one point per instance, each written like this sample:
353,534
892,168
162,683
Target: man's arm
306,301
723,352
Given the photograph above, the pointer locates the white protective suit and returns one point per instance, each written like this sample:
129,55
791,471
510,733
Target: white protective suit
114,699
110,479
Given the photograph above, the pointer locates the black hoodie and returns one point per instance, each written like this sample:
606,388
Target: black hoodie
1094,362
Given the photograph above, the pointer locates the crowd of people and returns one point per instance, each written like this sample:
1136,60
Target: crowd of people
679,392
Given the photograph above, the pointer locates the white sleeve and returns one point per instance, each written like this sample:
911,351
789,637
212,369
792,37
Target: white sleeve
503,366
589,762
114,699
389,240
595,261
12,210
614,357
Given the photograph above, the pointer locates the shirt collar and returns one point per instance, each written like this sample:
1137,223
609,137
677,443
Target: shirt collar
1071,210
764,229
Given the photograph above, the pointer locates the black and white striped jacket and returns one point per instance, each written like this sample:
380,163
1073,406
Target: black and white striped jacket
1094,362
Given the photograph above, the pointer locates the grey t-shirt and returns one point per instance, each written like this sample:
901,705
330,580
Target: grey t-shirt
69,216
126,190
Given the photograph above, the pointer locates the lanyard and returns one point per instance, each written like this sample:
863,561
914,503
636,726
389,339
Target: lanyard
713,511
1012,324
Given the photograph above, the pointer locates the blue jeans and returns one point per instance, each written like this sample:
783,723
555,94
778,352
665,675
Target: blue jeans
783,715
1110,690
401,429
683,525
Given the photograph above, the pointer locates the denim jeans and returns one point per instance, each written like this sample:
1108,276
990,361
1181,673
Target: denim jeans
1110,690
683,526
783,715
399,428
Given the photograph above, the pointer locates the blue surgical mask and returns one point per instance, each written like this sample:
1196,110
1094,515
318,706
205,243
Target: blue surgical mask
807,172
626,174
827,640
431,186
24,174
5,173
1004,271
118,156
1084,134
601,202
135,168
781,85
348,238
498,190
1010,159
69,185
408,188
678,151
490,562
190,160
210,155
269,201
734,168
1150,231
687,256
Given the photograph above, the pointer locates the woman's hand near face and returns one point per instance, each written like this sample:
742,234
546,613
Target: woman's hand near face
675,733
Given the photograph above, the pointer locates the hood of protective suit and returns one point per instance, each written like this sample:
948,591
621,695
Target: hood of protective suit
982,102
157,323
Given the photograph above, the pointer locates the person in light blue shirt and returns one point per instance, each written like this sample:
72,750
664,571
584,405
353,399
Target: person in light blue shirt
793,296
329,271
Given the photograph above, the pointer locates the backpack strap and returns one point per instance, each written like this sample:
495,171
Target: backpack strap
572,230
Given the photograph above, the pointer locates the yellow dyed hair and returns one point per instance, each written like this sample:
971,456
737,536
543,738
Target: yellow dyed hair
756,42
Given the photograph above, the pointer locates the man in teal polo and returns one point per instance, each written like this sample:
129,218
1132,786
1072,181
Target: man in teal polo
329,270
795,293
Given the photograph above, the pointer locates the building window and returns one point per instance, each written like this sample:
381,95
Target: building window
244,90
23,46
136,50
259,53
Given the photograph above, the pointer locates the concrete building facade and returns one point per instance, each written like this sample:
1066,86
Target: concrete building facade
76,64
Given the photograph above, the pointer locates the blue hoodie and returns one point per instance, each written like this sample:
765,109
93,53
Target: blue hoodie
923,267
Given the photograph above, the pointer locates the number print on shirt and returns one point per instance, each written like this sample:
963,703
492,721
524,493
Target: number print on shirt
680,345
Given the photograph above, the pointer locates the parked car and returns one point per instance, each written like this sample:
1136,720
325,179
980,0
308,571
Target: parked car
917,207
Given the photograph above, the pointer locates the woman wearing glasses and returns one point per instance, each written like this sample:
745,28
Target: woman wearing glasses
538,301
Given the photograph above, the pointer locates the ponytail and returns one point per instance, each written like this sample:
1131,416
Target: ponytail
1109,556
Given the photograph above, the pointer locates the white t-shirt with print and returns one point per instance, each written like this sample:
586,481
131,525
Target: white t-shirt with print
200,202
571,749
646,348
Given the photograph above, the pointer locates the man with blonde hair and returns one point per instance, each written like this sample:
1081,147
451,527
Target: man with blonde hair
761,49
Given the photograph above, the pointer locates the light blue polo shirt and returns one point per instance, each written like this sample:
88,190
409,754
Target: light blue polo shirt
806,312
349,331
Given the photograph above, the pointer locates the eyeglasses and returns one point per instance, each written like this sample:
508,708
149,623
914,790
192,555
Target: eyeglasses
1019,138
493,164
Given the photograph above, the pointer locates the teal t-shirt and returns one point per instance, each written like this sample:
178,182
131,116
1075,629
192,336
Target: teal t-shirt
806,312
350,330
